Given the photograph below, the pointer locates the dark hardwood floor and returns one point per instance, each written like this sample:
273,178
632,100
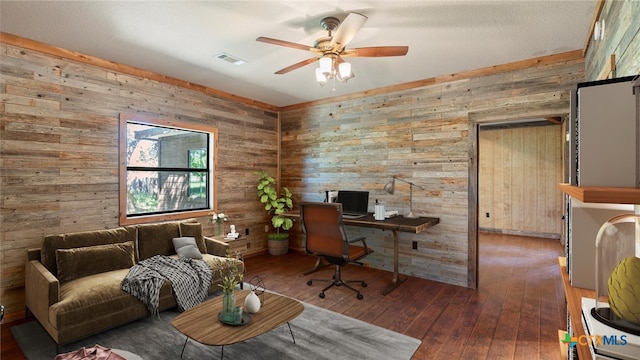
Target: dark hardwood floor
515,313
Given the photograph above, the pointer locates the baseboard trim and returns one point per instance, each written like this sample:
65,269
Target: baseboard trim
521,233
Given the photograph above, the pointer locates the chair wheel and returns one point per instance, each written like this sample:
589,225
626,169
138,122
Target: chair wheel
359,296
364,284
321,295
309,282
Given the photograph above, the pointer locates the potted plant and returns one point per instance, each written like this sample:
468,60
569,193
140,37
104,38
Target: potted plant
275,203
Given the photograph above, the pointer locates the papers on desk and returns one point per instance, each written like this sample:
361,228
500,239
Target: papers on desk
390,213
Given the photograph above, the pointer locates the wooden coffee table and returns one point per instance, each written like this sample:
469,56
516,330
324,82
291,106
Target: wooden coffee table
201,323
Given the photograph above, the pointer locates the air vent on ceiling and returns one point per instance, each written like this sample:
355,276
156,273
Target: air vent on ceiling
230,58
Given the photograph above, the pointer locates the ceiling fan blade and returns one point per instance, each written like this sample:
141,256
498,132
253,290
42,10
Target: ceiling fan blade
297,65
376,51
348,30
285,43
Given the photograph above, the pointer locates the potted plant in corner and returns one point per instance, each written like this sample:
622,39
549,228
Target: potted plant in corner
275,203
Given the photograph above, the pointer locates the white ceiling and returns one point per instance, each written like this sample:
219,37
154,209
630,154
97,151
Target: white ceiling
182,38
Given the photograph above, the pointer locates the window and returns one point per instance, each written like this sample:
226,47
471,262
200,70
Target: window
197,159
166,171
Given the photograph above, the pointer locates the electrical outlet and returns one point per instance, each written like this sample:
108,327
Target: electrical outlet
266,228
414,245
246,231
248,245
488,215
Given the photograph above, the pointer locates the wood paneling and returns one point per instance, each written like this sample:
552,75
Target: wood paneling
59,151
519,169
621,41
121,68
424,135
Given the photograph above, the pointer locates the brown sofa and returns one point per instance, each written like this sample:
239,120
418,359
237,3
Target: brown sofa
72,283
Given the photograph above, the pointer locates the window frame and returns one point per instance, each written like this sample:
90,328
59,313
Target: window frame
190,192
124,219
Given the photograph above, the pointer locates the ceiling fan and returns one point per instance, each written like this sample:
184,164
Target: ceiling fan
330,49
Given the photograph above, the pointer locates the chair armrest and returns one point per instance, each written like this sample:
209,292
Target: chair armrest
367,251
362,238
42,289
216,247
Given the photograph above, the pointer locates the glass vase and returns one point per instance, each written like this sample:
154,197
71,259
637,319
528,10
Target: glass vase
218,229
228,306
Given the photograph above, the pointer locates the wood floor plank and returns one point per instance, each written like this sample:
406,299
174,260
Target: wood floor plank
504,339
479,341
514,314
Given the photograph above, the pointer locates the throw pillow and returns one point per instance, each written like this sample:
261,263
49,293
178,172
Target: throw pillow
186,247
155,239
194,230
84,261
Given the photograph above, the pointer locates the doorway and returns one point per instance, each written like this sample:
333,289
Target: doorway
513,178
519,167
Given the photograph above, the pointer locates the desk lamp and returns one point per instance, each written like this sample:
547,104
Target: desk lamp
390,187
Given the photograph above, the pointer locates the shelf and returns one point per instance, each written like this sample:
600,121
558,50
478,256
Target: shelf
600,194
574,297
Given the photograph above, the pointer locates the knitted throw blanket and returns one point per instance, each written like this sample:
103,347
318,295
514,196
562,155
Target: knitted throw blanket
190,280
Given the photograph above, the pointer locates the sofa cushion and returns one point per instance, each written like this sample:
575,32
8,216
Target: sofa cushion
96,302
83,261
186,247
157,239
194,230
52,243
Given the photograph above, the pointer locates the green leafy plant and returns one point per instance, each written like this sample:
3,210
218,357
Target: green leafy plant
230,274
275,202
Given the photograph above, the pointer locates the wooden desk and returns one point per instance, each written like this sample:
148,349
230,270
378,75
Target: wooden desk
396,224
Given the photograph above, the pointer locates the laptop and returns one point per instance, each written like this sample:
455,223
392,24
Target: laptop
354,203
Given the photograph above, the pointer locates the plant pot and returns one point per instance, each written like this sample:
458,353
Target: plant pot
278,244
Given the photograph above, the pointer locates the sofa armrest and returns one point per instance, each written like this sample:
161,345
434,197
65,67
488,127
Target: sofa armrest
33,254
216,247
42,289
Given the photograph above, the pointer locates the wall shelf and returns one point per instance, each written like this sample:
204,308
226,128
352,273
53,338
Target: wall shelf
601,194
574,296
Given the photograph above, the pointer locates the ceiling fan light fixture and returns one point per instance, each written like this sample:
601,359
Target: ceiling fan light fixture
344,71
326,65
330,69
330,49
320,77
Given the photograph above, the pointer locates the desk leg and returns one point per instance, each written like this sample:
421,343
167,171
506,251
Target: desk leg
397,278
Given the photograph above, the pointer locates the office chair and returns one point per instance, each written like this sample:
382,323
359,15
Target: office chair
325,236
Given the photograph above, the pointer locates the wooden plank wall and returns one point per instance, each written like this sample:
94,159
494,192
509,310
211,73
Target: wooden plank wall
622,39
59,152
518,175
423,135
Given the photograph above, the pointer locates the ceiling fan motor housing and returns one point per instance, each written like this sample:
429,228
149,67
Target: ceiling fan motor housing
330,23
